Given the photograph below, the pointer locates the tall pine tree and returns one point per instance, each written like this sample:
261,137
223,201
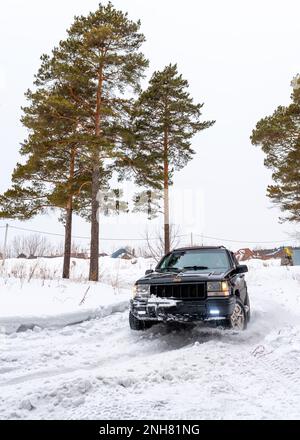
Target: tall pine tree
79,118
101,59
53,172
166,119
279,137
55,175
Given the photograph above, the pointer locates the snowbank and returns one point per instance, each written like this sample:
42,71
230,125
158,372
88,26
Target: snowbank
33,296
281,283
37,304
258,263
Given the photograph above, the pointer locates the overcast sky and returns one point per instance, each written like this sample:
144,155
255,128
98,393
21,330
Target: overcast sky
239,58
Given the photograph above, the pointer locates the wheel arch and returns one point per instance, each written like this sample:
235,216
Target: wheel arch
237,293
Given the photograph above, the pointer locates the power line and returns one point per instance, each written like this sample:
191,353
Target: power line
144,239
246,241
46,233
81,237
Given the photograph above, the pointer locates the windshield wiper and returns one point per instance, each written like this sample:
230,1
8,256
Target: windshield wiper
170,269
195,267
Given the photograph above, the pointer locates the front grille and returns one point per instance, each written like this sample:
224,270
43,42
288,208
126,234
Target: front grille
179,291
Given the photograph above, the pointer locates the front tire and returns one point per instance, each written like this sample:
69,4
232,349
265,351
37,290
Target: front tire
137,324
248,313
238,319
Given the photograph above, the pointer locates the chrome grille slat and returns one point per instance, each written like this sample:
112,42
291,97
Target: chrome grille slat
184,291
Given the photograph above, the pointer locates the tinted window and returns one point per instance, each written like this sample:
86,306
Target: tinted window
198,259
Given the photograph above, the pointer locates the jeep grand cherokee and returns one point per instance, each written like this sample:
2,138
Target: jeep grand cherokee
192,284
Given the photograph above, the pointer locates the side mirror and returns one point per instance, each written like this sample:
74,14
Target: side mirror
242,268
148,272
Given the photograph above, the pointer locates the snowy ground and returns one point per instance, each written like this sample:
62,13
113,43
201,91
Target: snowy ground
99,369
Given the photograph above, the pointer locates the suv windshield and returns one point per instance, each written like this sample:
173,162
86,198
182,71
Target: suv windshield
198,259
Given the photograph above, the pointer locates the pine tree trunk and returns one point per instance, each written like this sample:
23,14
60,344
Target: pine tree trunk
94,257
166,194
94,250
68,240
69,217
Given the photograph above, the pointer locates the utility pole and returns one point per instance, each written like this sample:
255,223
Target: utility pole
5,244
192,240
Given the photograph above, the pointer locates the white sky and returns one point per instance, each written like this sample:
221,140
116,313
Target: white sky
239,58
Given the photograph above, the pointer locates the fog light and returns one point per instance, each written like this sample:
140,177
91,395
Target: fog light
214,312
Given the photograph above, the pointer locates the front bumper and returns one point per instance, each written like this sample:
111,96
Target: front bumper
184,311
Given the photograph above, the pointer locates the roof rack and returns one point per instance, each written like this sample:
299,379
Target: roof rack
198,247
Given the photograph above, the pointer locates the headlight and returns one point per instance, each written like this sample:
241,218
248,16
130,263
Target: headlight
141,291
214,286
218,288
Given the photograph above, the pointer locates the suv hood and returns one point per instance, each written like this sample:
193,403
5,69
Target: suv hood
186,276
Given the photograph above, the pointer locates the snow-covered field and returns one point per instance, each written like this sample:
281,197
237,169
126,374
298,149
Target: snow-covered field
99,369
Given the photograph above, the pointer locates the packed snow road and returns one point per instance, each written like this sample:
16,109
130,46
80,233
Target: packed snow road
101,370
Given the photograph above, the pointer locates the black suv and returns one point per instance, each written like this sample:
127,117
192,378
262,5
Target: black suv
192,284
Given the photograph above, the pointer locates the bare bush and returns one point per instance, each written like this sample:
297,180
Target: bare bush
32,246
32,272
115,279
155,246
78,251
18,271
58,250
8,252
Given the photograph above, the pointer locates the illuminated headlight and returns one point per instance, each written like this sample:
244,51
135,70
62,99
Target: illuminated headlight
218,288
141,291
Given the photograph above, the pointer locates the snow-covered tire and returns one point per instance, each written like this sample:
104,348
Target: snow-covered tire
137,324
248,313
231,323
238,319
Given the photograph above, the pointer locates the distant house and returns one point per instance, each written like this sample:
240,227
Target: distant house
81,255
268,254
22,256
244,254
261,254
296,257
123,253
